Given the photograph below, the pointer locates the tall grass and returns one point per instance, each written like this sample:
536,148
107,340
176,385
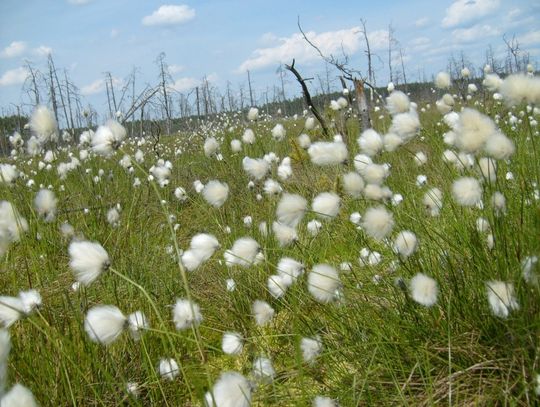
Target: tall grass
379,346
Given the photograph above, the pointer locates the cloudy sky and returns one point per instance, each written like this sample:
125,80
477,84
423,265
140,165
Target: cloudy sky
221,39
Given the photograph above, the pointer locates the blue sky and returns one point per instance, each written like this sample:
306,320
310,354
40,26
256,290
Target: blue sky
220,39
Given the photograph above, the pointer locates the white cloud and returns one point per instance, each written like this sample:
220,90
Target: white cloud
43,51
175,68
421,22
15,76
465,11
98,86
184,84
14,49
474,33
170,15
114,33
419,43
331,42
530,38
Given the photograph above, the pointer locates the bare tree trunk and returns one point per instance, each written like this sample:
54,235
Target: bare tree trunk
163,80
363,106
52,91
111,85
307,97
72,124
33,74
198,103
250,90
371,75
390,41
108,99
403,67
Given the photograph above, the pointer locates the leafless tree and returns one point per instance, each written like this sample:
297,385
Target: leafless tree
342,64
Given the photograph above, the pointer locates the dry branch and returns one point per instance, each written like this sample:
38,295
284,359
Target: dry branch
307,97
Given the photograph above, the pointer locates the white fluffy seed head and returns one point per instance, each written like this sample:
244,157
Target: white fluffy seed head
278,285
272,187
204,245
392,141
290,268
467,191
398,102
424,289
248,137
87,260
520,88
488,169
256,168
499,146
420,158
231,390
328,153
253,114
243,253
501,298
278,132
45,204
137,322
314,227
322,401
405,125
8,173
374,173
284,234
498,201
215,193
473,130
492,82
104,323
370,142
236,146
311,348
186,314
18,396
262,312
376,192
323,281
291,209
211,147
378,222
304,141
405,243
11,310
43,124
30,300
263,369
433,201
168,369
353,184
232,343
108,138
326,205
310,123
442,80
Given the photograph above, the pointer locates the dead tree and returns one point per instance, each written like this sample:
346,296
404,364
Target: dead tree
350,74
33,76
52,91
513,52
68,96
390,46
403,67
307,97
250,90
163,79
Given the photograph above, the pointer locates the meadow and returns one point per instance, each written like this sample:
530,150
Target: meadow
392,266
